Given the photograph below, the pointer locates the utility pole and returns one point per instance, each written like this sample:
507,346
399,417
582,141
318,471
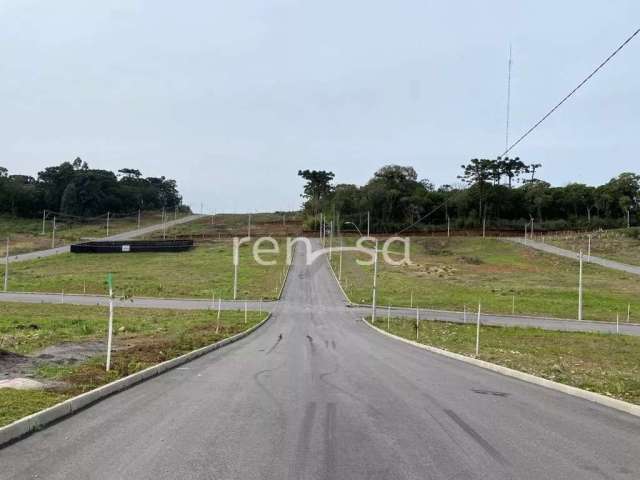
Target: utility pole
580,289
108,214
448,227
44,217
6,268
138,219
506,136
235,276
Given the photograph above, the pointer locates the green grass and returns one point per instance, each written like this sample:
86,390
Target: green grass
25,328
618,245
195,273
15,404
602,363
450,273
149,337
26,233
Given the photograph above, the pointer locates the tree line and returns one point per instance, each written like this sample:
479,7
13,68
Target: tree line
501,193
73,188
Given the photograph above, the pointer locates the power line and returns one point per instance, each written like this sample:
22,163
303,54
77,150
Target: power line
615,52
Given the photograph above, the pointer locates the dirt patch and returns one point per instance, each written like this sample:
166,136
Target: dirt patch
13,365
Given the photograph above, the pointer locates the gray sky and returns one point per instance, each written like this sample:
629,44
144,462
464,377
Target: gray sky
232,98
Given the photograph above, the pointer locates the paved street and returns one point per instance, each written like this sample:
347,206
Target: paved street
316,394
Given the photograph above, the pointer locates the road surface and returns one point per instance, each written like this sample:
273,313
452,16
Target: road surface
120,236
545,247
316,394
268,306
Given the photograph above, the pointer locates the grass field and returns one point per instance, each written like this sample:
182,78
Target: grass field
619,245
143,337
602,363
224,225
195,273
450,273
26,234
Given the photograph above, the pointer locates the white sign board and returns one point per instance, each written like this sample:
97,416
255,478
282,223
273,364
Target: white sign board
126,248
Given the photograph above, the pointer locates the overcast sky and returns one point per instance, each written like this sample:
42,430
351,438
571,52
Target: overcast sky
232,98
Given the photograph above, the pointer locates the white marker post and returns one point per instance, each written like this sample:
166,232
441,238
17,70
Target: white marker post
618,323
478,332
375,275
110,326
417,323
6,268
580,288
53,233
368,223
340,263
331,241
411,300
245,311
218,317
388,317
589,250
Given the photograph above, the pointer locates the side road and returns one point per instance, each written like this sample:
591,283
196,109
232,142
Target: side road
623,267
121,236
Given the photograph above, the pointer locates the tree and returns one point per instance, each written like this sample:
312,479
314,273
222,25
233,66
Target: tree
317,188
511,168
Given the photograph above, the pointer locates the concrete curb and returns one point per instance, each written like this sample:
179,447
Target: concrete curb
619,405
498,315
38,420
335,277
286,276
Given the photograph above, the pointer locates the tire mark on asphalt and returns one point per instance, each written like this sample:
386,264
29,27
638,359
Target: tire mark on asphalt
296,469
490,449
330,442
275,344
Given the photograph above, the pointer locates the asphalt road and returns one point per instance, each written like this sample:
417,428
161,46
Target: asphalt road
545,247
121,236
316,394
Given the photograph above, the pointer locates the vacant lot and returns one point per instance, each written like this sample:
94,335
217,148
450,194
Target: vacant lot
26,234
602,363
74,337
619,245
225,225
197,273
450,273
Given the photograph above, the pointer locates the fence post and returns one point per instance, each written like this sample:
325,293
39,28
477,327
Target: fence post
6,268
478,332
